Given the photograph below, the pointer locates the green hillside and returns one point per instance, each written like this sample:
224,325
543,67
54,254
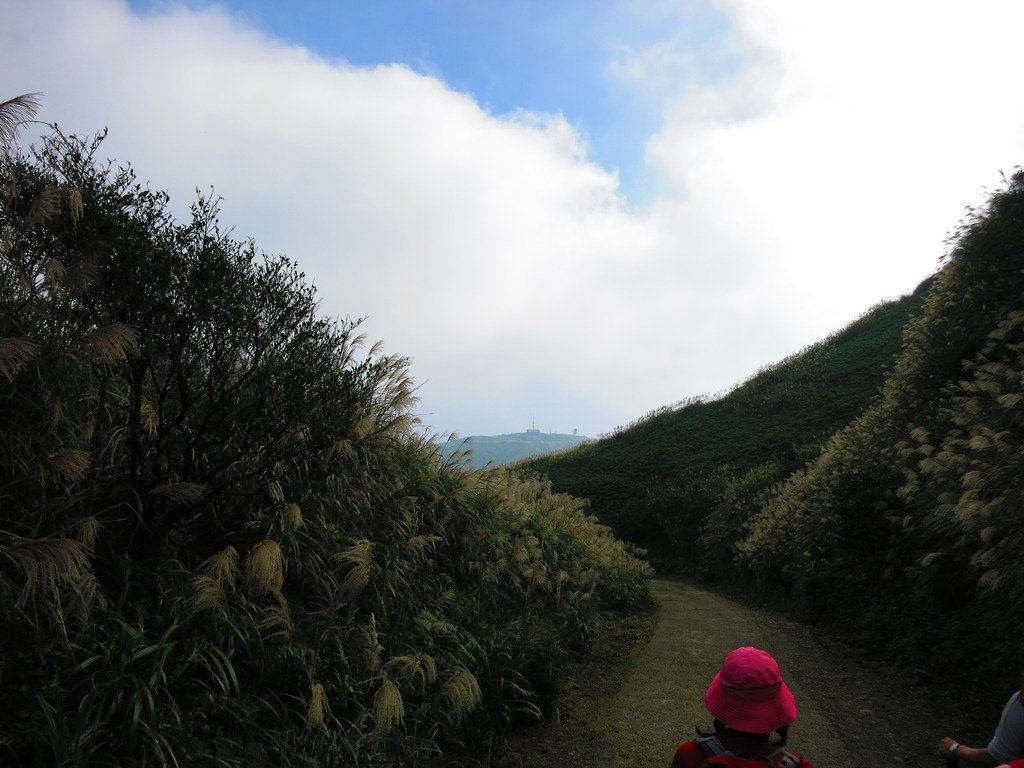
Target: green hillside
656,465
482,450
906,529
902,530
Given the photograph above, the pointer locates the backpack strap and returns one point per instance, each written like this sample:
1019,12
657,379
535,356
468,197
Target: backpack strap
710,746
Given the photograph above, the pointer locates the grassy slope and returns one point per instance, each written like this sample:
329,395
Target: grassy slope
775,414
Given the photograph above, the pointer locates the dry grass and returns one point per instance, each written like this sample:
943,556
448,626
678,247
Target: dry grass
419,669
14,353
14,112
88,530
208,593
212,586
264,566
72,277
46,565
149,418
76,205
181,492
373,646
45,206
317,707
111,343
278,617
388,708
68,465
462,692
358,576
292,518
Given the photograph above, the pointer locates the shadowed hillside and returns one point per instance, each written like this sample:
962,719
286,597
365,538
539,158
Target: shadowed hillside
902,530
640,479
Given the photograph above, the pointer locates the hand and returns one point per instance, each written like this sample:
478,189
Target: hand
944,748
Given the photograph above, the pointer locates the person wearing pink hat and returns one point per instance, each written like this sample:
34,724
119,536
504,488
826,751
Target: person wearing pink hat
749,701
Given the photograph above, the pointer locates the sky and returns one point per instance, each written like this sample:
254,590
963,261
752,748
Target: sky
565,213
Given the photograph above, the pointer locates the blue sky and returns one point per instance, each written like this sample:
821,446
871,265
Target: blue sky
567,212
544,57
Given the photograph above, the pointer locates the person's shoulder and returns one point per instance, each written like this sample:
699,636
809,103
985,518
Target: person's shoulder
1014,707
688,755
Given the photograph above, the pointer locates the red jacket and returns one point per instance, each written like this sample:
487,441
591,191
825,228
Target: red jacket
691,754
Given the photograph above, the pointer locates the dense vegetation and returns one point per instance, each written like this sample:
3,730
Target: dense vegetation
655,480
903,529
907,526
221,541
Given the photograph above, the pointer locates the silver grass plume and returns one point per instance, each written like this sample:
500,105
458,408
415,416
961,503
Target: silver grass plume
264,566
358,576
149,419
317,706
373,646
68,465
88,529
14,112
417,669
76,205
292,518
278,617
47,204
45,564
14,353
181,492
110,343
462,692
388,709
211,586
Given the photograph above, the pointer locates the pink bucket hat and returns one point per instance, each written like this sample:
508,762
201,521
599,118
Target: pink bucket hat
748,693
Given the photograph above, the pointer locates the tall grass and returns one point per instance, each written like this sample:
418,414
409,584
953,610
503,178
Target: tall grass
222,540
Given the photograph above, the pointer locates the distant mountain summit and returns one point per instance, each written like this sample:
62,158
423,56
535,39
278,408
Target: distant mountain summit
504,449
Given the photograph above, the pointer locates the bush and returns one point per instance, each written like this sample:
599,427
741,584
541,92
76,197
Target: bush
222,540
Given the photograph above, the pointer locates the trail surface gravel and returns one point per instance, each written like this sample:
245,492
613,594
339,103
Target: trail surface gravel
852,712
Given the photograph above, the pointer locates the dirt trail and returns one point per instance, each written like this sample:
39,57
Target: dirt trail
850,714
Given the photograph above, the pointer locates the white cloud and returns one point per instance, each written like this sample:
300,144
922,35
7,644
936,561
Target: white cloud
818,180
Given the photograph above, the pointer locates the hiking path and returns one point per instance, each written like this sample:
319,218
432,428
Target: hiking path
852,712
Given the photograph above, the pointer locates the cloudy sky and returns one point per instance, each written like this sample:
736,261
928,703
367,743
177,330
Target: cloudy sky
566,212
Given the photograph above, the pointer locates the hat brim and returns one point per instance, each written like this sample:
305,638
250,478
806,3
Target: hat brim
748,716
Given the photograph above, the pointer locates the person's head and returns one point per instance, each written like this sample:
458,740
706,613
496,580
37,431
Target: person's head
748,694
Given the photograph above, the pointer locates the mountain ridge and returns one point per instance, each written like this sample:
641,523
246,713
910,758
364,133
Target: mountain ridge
482,450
